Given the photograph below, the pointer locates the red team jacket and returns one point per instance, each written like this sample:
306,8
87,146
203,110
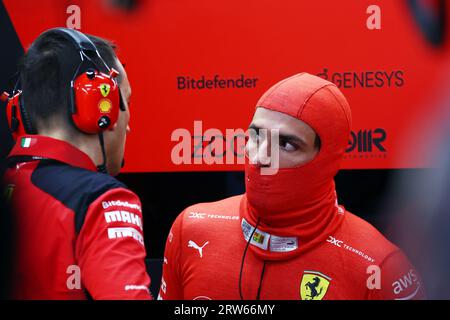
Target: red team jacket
78,232
301,243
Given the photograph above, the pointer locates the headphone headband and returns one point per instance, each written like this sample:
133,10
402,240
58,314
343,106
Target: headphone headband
78,39
81,43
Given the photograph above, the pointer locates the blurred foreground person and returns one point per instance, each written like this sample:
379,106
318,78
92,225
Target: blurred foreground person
419,202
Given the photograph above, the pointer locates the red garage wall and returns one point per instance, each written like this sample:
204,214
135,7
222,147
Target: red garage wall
393,79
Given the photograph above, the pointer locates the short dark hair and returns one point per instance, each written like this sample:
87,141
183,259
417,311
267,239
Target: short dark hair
45,73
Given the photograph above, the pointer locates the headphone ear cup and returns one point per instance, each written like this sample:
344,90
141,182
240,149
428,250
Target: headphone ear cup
14,116
96,103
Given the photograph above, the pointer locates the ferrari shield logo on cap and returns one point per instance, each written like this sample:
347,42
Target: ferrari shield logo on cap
105,106
104,89
314,285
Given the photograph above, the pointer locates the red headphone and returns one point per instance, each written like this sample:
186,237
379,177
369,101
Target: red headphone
14,114
95,97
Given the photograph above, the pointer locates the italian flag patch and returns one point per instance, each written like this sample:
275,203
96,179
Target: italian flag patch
25,142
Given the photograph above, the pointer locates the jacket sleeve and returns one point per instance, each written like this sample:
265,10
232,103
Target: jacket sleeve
110,248
399,280
172,281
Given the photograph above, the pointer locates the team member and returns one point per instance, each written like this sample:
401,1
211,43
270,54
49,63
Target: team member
78,230
287,237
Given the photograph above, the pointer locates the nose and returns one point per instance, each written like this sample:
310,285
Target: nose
128,129
259,153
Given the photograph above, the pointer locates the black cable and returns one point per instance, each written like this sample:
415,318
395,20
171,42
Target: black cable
102,167
260,281
26,119
243,259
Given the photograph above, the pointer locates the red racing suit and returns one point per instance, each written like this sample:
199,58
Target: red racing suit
205,251
77,232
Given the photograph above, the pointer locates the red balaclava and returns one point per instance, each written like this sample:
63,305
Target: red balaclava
301,202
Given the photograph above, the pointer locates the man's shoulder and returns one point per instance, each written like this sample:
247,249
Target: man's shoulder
210,214
76,188
228,206
360,237
68,181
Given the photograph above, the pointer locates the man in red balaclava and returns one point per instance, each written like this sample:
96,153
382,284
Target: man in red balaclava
287,237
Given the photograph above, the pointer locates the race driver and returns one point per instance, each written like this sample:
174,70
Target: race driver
78,232
287,237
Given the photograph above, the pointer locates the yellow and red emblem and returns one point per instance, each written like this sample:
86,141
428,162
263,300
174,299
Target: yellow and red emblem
105,105
105,89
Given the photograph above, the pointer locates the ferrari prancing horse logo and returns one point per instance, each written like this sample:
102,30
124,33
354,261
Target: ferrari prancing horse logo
104,89
314,285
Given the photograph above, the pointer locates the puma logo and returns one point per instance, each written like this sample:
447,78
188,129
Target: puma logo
192,244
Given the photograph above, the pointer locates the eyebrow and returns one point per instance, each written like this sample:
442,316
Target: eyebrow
289,137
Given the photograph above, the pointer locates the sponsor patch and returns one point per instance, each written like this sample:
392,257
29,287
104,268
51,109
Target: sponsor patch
123,216
283,244
259,238
115,233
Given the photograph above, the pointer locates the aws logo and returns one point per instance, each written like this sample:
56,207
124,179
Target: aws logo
314,285
405,283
